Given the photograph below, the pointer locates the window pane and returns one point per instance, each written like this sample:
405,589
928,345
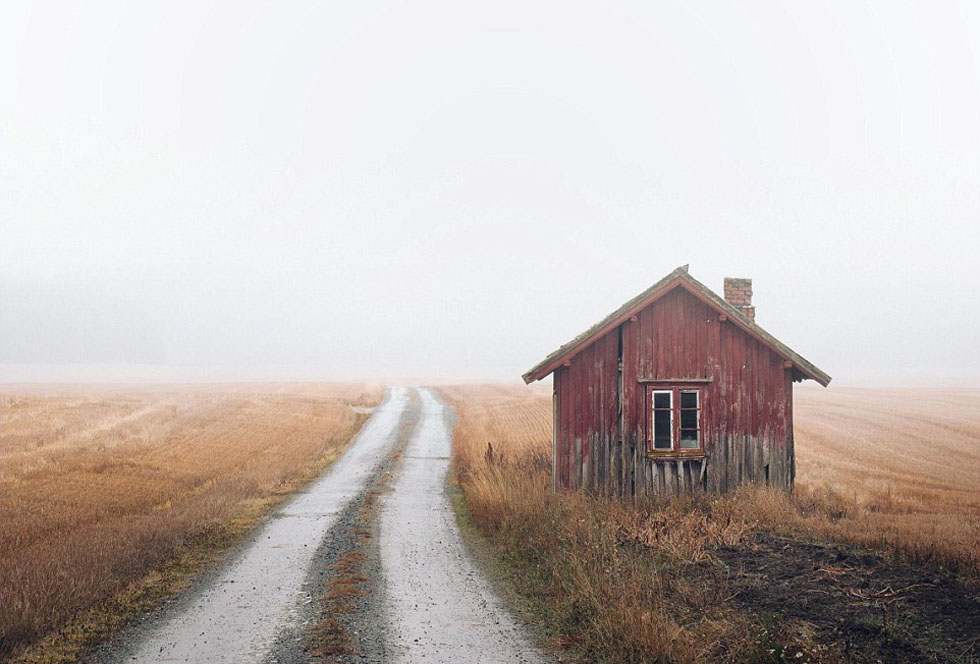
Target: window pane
689,439
689,419
661,430
661,399
689,399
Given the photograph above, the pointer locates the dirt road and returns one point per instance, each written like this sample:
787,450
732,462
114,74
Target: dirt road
238,616
439,606
426,600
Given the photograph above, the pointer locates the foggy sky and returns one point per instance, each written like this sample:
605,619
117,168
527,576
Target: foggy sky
440,189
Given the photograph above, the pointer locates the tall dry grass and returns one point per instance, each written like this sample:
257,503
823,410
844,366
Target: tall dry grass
98,490
615,573
610,575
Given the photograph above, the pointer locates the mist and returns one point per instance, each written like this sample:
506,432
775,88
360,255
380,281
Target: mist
313,190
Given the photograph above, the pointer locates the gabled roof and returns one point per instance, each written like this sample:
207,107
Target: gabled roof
679,278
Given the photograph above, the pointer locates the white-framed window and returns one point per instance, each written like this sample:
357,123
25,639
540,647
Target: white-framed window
675,421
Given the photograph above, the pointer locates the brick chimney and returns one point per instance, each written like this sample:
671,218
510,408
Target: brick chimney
738,293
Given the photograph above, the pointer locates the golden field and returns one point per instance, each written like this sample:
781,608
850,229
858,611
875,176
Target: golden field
100,490
909,460
896,471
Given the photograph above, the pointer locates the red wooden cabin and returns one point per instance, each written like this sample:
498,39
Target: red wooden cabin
677,390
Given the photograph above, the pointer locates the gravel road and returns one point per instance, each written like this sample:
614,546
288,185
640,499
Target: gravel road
423,600
237,617
438,605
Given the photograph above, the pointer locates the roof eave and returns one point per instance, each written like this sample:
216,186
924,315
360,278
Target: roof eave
679,276
556,357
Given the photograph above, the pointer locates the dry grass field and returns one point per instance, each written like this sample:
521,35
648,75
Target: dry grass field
895,472
101,491
909,460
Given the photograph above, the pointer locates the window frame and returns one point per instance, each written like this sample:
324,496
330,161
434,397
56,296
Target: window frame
652,410
675,390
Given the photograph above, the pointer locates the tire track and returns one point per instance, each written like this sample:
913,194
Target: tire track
438,605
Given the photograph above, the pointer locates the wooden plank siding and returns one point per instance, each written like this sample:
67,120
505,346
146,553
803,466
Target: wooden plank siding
601,405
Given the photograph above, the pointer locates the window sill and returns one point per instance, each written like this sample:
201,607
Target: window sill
674,456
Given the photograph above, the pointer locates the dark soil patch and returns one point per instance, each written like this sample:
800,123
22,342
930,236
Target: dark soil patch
858,606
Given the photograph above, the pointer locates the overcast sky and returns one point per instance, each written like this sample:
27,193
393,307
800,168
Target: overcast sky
446,189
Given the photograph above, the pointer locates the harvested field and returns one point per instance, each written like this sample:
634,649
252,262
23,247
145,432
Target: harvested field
899,451
905,463
710,578
99,489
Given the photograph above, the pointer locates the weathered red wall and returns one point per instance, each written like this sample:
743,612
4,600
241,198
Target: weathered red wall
747,406
587,414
